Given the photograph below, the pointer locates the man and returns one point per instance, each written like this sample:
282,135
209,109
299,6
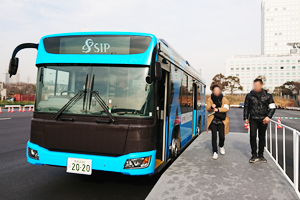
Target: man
259,108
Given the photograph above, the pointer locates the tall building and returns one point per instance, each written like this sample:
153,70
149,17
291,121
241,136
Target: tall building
2,92
11,80
280,26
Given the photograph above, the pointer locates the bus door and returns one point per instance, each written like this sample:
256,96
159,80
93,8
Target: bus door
162,115
195,112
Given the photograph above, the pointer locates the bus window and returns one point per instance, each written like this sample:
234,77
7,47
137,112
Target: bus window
62,82
124,89
198,96
49,83
184,93
190,94
172,88
58,85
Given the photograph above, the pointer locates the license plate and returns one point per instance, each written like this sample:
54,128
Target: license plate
79,166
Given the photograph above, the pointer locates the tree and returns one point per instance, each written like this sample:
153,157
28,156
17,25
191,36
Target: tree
262,77
219,80
233,84
20,88
291,88
278,90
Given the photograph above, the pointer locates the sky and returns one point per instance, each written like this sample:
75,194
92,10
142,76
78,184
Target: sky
204,32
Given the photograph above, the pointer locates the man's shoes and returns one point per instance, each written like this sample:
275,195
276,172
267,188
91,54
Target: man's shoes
262,159
253,159
222,150
215,156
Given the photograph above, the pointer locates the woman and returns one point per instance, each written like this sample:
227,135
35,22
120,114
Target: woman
217,121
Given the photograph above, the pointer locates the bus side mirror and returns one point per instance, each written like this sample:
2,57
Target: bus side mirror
13,66
158,71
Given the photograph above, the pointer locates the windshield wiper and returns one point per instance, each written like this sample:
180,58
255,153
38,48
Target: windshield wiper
98,98
74,100
85,91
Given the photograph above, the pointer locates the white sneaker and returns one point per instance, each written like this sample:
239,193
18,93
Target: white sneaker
215,156
222,150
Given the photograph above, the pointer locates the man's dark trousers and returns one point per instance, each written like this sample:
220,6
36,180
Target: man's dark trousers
257,124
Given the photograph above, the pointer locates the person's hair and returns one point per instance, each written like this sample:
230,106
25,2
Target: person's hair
214,86
258,80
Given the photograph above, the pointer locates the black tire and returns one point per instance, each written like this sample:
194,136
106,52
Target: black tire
175,143
199,126
174,149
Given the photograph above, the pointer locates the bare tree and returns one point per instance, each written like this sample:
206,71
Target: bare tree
20,88
262,77
292,88
233,84
219,80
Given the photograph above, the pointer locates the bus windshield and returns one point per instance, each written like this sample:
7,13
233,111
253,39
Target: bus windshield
123,89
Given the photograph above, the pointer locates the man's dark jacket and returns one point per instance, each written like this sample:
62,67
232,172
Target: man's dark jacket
259,106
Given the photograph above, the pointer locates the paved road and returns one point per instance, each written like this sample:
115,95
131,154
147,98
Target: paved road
236,125
21,180
236,119
295,123
195,175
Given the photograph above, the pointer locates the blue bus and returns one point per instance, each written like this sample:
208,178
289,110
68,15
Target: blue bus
112,101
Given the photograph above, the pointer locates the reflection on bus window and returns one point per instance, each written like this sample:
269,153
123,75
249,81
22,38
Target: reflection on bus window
125,89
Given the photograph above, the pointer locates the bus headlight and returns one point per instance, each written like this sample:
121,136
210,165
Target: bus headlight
33,153
137,163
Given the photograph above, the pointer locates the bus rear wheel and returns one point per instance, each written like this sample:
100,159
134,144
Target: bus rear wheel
199,126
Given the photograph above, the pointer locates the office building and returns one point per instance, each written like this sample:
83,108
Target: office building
277,69
280,26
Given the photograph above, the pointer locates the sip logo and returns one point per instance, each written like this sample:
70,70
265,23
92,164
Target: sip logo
96,47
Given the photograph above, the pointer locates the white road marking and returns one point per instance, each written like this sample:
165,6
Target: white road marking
4,118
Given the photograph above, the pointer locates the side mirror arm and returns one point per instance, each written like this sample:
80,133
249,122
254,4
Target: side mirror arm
14,61
24,46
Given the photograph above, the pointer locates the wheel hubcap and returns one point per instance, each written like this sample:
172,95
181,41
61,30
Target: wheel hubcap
174,148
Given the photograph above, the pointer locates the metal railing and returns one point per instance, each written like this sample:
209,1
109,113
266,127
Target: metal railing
12,106
234,106
18,106
293,108
273,151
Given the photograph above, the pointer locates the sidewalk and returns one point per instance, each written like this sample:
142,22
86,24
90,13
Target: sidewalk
195,175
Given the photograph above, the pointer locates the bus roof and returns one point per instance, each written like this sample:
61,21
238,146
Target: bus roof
167,51
144,58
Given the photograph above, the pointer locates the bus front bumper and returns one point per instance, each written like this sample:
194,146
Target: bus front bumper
103,163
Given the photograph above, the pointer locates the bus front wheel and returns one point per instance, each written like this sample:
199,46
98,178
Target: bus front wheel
174,149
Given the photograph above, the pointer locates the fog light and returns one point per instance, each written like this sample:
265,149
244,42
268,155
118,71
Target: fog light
137,163
33,153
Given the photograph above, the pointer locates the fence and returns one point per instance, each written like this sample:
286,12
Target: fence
18,106
234,106
293,108
281,143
